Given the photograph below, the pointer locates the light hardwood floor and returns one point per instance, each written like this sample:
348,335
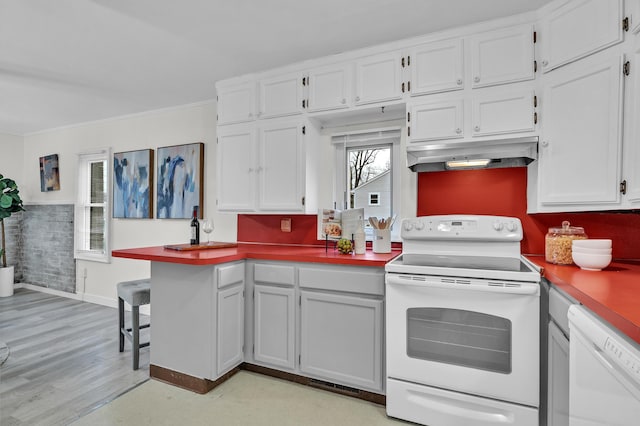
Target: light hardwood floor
64,360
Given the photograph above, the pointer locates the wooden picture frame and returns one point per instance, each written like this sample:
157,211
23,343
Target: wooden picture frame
133,184
180,180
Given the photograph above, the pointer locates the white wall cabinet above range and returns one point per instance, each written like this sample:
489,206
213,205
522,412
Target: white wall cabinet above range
237,103
487,112
330,88
281,95
261,166
579,28
379,78
581,144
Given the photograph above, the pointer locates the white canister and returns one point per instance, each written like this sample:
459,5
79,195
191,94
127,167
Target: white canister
382,240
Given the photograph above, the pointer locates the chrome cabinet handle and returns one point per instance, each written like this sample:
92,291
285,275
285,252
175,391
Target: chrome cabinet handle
476,79
476,128
459,81
343,101
458,130
545,63
357,98
545,143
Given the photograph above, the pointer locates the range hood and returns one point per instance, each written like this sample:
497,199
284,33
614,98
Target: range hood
449,155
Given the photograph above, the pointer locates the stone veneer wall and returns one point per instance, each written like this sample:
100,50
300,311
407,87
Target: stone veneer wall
12,227
47,247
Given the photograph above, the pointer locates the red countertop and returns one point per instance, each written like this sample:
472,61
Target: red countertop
613,293
291,253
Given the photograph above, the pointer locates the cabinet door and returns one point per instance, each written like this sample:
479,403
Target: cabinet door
378,78
435,120
236,103
504,111
558,378
578,29
236,168
274,326
580,149
329,88
633,12
632,146
281,96
502,56
281,177
437,67
341,339
230,328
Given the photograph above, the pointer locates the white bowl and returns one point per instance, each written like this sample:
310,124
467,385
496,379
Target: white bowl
589,250
591,262
592,243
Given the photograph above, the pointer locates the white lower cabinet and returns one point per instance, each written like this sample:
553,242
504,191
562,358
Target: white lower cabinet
230,339
558,378
341,338
274,326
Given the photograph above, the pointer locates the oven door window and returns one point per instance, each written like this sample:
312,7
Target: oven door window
459,337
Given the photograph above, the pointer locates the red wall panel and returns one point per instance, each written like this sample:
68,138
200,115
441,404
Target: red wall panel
503,192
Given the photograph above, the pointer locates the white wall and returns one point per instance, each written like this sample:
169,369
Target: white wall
175,126
11,154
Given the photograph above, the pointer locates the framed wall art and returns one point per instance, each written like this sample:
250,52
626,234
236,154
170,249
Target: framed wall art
133,184
49,173
180,171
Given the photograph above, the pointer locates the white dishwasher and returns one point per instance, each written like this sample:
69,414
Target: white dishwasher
604,376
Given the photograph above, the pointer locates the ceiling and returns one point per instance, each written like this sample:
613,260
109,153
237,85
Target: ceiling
66,62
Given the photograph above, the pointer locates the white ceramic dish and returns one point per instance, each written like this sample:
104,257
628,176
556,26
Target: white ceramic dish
589,250
591,262
592,243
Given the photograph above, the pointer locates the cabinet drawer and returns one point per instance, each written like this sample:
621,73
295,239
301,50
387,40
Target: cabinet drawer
230,274
355,281
275,274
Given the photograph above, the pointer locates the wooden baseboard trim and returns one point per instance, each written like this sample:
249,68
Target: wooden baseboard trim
185,381
328,386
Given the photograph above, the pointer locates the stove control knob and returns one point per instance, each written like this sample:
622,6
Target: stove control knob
497,226
408,226
511,226
419,226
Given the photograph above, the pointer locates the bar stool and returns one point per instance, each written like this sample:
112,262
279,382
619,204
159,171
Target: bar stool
136,293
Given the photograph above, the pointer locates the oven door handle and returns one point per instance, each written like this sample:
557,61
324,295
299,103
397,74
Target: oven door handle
407,280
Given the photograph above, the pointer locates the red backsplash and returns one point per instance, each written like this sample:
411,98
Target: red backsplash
503,192
259,228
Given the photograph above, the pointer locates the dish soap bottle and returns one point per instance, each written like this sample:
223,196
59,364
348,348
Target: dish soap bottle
195,227
360,245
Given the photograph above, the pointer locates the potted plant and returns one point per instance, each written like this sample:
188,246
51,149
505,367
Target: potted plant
10,203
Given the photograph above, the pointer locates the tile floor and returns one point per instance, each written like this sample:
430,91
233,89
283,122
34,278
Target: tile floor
246,399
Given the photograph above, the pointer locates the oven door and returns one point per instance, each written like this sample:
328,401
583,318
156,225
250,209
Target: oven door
467,335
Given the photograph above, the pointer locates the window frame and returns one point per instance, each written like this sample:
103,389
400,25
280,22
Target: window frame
342,142
83,203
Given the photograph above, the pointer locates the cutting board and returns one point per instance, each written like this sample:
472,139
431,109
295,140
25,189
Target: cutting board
203,246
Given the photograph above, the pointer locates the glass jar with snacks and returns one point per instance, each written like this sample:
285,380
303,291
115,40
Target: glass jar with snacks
557,248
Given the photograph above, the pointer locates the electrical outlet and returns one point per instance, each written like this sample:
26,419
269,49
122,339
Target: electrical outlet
285,225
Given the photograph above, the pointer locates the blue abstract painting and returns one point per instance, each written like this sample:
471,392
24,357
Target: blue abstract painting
132,184
180,177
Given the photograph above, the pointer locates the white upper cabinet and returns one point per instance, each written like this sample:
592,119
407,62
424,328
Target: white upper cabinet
428,120
502,56
281,179
580,150
281,95
236,167
503,111
578,29
379,78
437,67
633,12
237,103
329,88
632,145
